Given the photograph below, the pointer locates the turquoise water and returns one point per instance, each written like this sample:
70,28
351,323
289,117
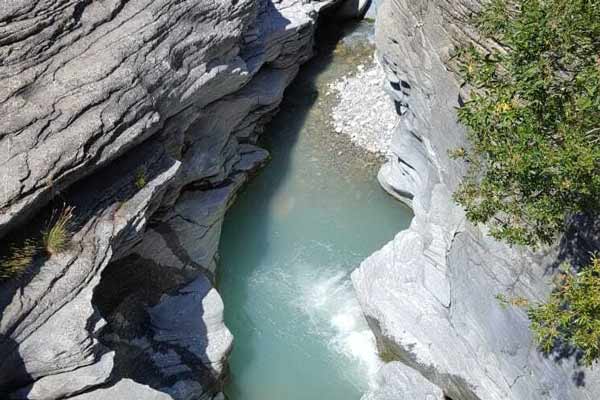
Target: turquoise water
288,247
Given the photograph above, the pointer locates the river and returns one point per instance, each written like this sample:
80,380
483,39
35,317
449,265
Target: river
290,242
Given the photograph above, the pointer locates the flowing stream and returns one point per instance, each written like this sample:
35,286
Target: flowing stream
290,242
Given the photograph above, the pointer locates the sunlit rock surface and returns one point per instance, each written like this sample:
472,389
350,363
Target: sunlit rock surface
430,294
143,115
400,382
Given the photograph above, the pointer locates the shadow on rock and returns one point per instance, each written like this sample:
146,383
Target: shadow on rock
157,328
579,243
13,373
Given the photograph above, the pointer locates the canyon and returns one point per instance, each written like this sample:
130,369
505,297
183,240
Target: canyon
145,116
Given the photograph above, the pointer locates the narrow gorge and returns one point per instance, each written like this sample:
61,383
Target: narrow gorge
293,237
255,201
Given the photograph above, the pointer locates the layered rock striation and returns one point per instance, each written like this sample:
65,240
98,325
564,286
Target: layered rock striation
430,294
143,116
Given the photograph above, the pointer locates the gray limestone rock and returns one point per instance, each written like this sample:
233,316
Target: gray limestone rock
192,318
49,326
142,114
399,382
123,390
47,387
83,82
430,294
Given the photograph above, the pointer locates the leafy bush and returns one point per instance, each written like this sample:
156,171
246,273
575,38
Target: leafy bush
572,315
58,235
533,118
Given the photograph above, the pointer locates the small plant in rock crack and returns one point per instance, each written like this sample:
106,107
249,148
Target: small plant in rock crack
58,234
19,260
140,178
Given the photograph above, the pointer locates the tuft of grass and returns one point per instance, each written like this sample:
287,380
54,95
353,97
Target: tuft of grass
57,236
140,178
19,260
55,239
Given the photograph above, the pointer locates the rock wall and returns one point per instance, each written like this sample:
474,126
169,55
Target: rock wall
430,294
142,115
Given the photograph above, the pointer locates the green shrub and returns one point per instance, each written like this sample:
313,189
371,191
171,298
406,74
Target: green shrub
57,236
533,118
572,315
140,178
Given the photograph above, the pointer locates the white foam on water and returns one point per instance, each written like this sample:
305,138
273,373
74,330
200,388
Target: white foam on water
328,300
327,309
